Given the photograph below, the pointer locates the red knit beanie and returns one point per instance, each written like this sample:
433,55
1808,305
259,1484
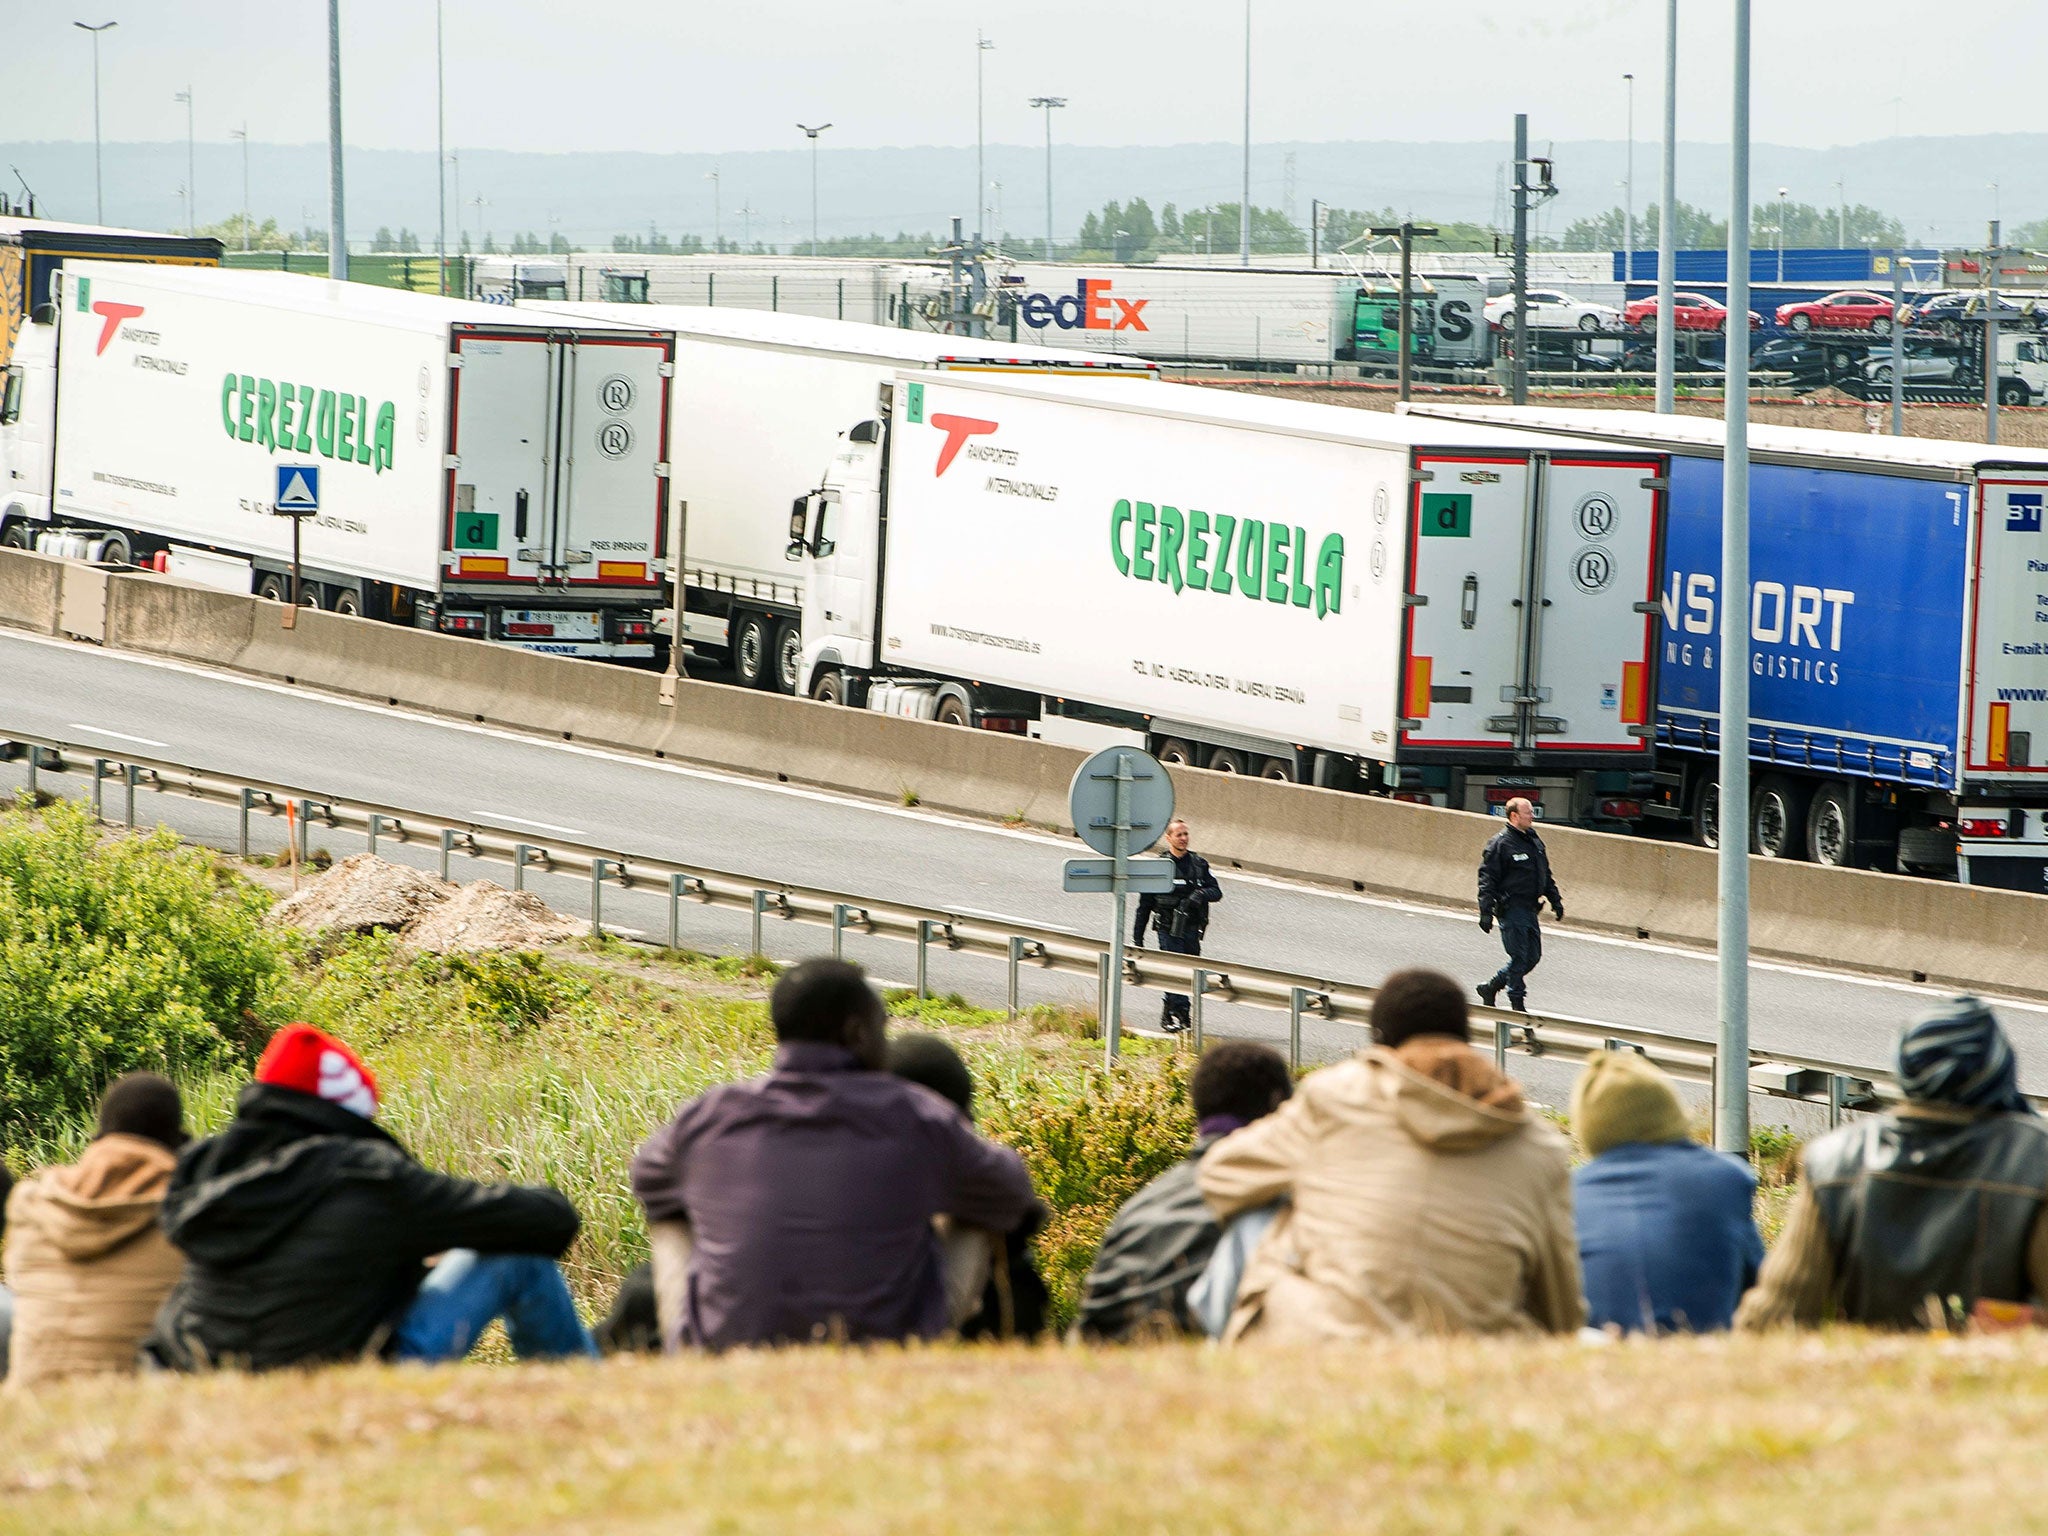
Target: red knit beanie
307,1060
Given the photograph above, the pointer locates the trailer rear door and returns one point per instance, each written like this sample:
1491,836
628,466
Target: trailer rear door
2008,679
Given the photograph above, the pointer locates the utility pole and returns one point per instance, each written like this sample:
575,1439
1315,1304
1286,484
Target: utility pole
981,46
1841,215
441,153
1407,232
99,185
1667,221
1628,184
1731,1056
1048,103
717,218
1898,345
242,133
1315,232
337,222
1991,333
1526,196
1781,236
812,134
191,166
1244,208
746,225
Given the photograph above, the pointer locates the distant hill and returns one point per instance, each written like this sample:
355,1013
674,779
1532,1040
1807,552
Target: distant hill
1938,186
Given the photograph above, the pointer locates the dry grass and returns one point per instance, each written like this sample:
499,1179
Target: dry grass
1787,1436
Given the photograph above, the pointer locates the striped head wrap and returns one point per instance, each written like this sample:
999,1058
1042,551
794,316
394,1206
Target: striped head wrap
1956,1054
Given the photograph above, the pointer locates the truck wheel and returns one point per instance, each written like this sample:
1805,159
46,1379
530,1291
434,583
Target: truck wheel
1706,814
2014,392
1175,753
1777,819
274,589
116,550
1279,768
1223,760
1831,827
15,536
830,688
789,656
751,649
349,601
953,710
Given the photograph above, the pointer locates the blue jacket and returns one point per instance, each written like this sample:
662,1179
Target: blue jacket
1667,1236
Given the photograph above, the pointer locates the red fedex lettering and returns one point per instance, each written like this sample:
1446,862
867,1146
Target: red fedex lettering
1095,302
1127,314
112,314
957,429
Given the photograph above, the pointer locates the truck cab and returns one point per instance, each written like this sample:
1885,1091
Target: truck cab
28,419
836,532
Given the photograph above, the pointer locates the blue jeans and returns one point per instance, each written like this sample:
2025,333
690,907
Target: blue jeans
1522,938
466,1290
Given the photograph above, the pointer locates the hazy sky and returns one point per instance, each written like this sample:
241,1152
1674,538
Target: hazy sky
658,75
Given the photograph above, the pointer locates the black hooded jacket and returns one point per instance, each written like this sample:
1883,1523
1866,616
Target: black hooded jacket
303,1227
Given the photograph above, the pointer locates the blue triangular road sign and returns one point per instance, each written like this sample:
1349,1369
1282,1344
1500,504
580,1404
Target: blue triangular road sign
298,488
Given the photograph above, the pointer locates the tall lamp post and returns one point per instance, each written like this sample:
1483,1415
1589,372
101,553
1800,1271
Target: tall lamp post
242,133
812,135
1667,220
1628,194
191,166
1048,103
99,191
1841,215
981,46
337,222
1244,209
717,214
1781,233
441,155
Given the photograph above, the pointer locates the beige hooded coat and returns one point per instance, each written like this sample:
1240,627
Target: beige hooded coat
1424,1198
86,1260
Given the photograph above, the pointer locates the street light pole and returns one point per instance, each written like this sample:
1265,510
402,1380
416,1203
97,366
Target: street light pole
337,221
191,166
1731,1058
1048,103
99,190
440,152
812,134
1781,236
981,46
1841,215
1667,221
242,133
1628,183
717,216
1244,209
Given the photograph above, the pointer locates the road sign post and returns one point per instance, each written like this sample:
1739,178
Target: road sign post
298,498
1121,800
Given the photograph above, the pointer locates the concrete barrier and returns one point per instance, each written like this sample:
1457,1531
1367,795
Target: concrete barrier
1886,924
31,590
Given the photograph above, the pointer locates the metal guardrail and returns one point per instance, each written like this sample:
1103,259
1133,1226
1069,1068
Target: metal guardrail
1837,1085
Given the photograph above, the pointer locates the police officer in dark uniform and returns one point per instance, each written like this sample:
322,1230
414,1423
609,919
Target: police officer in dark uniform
1514,878
1180,917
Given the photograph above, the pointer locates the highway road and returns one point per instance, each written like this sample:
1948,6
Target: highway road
779,832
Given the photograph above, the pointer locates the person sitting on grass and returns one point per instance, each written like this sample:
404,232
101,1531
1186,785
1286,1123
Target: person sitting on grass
1425,1196
1667,1230
1158,1243
308,1233
88,1264
798,1206
1929,1216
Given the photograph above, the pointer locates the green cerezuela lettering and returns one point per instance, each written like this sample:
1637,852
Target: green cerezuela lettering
297,418
1215,552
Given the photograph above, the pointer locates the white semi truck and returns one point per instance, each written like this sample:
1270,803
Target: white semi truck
1456,614
475,471
759,401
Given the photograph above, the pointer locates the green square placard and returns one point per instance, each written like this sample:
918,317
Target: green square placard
1446,517
476,530
916,404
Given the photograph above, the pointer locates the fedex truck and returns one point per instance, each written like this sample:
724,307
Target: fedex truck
758,403
456,466
1275,318
1453,613
1898,642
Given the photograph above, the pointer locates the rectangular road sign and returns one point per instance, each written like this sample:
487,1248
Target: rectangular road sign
1094,876
298,488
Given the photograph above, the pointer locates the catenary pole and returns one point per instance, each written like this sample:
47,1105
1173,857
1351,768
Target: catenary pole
337,223
1667,219
1731,1060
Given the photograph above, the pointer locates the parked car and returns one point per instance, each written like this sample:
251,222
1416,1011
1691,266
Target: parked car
1551,310
1925,364
1810,364
1853,309
1946,314
1689,312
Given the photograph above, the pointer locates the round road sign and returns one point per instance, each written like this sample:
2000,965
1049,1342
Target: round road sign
1092,799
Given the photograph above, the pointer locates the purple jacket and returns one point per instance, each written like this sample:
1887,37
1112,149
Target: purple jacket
810,1194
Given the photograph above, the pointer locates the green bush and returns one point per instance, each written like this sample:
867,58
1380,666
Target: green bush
118,954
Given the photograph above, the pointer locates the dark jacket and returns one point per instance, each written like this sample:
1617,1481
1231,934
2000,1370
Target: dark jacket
304,1226
810,1194
1514,870
1152,1253
1667,1238
1194,890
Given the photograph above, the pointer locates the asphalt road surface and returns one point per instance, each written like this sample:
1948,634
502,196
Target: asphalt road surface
81,694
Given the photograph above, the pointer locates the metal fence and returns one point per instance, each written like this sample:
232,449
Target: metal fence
1019,946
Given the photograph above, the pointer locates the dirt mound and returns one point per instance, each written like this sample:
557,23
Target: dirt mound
482,916
360,894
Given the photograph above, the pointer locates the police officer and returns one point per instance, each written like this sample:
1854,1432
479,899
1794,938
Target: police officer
1514,878
1180,917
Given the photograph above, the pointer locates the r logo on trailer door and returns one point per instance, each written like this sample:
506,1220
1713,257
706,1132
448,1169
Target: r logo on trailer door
1592,570
1596,517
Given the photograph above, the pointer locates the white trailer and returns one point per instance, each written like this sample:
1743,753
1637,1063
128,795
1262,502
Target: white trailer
477,472
1457,614
759,404
875,289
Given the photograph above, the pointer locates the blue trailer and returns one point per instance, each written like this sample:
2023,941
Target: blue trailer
1898,643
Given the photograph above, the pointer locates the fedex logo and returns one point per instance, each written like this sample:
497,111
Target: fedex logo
1090,307
2023,512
